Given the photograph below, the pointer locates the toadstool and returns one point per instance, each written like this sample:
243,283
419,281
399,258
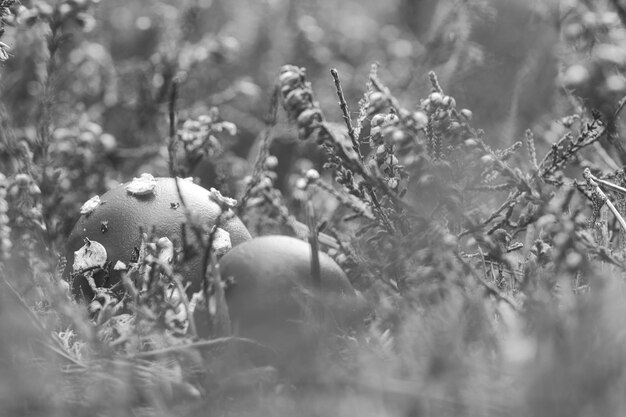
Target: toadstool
114,221
269,275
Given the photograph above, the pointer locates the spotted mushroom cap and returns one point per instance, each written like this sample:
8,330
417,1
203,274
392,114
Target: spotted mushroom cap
115,219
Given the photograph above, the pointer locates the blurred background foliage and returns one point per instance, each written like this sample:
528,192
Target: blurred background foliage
113,63
86,87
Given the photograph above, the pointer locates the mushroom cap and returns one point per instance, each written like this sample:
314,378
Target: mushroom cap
117,220
271,274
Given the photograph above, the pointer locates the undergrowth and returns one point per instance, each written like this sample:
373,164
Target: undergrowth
492,265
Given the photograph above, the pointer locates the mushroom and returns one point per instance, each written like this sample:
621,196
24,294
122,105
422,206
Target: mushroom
114,221
270,280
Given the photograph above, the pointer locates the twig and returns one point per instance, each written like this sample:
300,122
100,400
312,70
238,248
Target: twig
302,232
221,342
489,286
510,202
266,140
532,153
185,301
346,114
593,132
603,197
173,143
316,277
608,184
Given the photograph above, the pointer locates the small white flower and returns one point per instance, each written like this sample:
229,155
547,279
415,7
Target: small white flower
90,205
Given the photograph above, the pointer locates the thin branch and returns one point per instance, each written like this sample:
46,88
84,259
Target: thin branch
491,288
316,276
346,114
173,143
608,184
266,140
185,301
603,197
224,343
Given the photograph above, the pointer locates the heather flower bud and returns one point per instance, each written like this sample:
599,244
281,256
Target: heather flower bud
486,159
271,162
265,183
436,98
301,183
312,175
378,102
309,118
378,119
298,100
573,260
289,79
454,126
22,179
391,118
44,8
466,114
290,68
421,119
575,75
64,9
398,137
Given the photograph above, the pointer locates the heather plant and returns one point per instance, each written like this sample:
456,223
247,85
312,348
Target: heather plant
491,258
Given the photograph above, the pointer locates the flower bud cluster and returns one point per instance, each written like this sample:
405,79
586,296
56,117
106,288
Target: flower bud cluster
198,135
24,204
5,229
583,27
266,200
386,135
82,148
444,121
66,11
86,137
377,102
439,106
297,97
594,71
